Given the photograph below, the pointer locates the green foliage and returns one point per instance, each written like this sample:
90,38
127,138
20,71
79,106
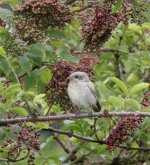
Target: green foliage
26,69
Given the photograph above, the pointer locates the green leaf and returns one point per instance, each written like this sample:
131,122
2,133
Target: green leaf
13,88
132,103
120,84
31,81
138,87
117,6
38,98
116,101
103,90
6,14
46,75
2,52
4,66
25,63
20,110
65,54
42,125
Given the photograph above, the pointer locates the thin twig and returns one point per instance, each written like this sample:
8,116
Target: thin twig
71,134
94,126
62,144
101,51
86,7
69,2
135,148
73,152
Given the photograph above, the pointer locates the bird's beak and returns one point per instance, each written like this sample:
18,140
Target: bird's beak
68,78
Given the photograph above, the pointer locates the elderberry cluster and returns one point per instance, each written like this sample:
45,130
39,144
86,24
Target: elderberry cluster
33,17
24,145
100,23
146,100
121,131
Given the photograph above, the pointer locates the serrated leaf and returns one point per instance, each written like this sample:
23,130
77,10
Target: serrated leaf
46,75
120,84
20,110
133,103
138,87
25,63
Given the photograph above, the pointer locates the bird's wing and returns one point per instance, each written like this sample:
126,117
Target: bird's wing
92,89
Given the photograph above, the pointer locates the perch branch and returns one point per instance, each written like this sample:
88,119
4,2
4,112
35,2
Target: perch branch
4,122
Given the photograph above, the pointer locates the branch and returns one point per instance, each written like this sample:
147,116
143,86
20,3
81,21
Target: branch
117,67
86,7
135,148
72,153
62,144
4,122
69,2
71,134
101,51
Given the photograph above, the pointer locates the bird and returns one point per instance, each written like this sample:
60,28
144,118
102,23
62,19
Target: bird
81,92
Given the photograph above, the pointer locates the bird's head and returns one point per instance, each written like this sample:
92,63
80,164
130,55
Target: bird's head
78,77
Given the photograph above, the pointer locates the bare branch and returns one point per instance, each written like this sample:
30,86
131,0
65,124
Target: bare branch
4,122
69,2
66,148
101,51
74,151
135,148
71,134
86,7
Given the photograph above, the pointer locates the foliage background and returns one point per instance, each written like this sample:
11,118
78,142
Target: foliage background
36,58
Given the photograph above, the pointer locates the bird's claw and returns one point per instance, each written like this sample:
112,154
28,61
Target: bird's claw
90,114
78,113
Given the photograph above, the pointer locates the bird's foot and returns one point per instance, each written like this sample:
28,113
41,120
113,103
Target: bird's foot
77,113
90,114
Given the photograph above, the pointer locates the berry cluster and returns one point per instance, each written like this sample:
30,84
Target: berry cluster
33,17
86,64
121,131
26,143
58,85
13,47
99,25
146,100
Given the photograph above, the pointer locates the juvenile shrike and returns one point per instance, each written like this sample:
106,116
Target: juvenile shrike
81,92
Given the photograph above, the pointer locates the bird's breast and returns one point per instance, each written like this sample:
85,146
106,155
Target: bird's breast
80,95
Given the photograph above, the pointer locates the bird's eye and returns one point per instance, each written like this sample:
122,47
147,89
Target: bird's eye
76,77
